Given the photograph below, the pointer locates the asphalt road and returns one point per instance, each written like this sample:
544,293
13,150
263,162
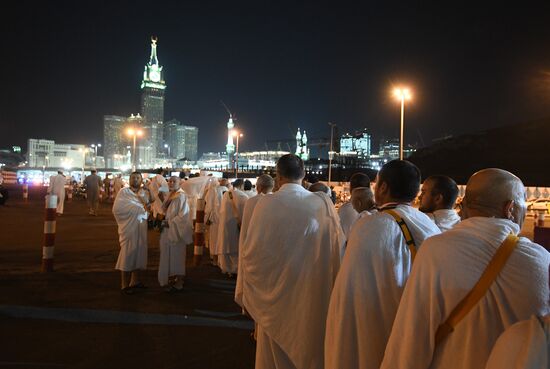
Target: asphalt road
76,317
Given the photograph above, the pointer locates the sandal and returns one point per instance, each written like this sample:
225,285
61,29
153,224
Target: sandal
139,285
173,289
127,291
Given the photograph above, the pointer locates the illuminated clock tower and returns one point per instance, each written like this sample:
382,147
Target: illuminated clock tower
152,102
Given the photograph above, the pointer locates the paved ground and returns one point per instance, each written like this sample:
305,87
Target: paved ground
76,316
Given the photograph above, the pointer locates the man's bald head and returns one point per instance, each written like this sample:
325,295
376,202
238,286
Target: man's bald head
265,184
319,187
362,199
497,193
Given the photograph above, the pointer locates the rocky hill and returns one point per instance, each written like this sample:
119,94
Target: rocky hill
523,149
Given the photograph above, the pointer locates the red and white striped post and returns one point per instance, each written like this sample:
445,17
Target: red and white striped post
199,232
49,233
111,190
25,191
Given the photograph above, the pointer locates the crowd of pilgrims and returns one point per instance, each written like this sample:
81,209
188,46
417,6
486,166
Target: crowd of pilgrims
377,283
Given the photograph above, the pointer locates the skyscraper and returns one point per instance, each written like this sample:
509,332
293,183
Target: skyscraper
114,141
174,137
152,101
191,142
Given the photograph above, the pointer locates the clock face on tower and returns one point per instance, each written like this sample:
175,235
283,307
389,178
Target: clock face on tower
154,76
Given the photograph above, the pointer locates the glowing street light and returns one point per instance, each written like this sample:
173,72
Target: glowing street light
83,151
95,147
236,134
166,146
134,132
402,94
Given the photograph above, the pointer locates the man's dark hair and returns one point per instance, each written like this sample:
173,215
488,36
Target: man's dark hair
358,180
182,175
290,166
136,172
312,178
238,182
159,171
402,178
247,185
446,187
93,171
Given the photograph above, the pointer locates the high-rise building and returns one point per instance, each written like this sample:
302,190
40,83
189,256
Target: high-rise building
174,137
191,142
357,145
152,101
144,147
389,148
114,140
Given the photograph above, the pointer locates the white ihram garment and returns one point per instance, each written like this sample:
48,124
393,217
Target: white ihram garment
445,219
348,216
213,198
118,184
57,187
131,218
194,188
445,271
228,231
368,288
175,238
158,184
290,259
247,216
525,345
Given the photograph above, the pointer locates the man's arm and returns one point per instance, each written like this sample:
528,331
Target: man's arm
412,341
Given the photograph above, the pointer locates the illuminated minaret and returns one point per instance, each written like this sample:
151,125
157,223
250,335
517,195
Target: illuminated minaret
230,148
298,143
305,150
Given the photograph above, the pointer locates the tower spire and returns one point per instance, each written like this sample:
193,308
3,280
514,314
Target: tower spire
153,60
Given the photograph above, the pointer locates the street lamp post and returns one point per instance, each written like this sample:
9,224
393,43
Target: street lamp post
83,151
402,94
237,134
166,146
134,132
330,153
95,147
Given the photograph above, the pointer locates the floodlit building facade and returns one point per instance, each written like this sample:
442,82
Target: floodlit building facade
357,145
191,142
152,101
48,154
114,139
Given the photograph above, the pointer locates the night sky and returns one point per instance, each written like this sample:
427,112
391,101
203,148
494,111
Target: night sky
278,66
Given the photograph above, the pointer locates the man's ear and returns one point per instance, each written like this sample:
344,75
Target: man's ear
438,199
382,187
508,209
